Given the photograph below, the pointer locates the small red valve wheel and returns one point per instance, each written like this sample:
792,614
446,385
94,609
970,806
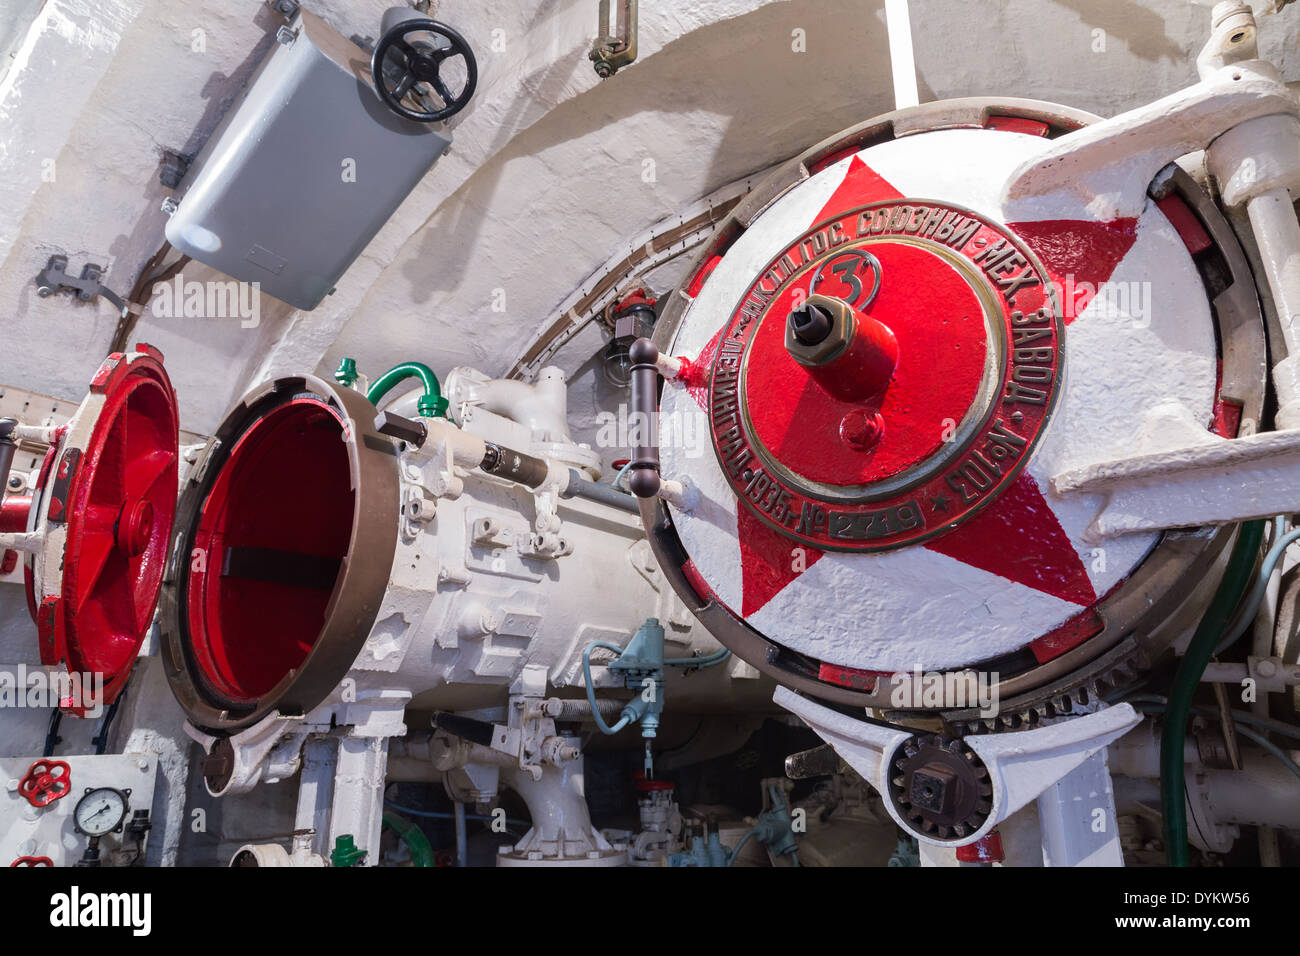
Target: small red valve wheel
45,782
25,861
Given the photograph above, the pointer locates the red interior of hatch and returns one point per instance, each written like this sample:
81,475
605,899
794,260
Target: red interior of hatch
271,539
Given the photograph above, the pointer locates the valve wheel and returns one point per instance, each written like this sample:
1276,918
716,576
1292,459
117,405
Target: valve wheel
26,861
414,63
45,782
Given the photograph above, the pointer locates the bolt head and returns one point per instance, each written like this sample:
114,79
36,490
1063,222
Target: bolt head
810,324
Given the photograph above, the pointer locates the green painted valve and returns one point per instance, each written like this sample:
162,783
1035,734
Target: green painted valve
346,852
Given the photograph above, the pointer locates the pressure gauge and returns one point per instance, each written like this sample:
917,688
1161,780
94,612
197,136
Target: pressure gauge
101,810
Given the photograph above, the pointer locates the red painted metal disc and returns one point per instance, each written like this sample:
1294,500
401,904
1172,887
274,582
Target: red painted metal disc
938,321
978,335
115,494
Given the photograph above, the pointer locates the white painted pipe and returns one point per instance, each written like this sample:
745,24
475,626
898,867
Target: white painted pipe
542,407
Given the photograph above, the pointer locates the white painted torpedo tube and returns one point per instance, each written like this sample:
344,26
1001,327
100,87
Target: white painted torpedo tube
338,572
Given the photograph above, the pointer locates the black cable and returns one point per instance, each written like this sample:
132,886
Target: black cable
52,738
100,740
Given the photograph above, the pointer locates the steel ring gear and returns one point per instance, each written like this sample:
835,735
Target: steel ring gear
940,787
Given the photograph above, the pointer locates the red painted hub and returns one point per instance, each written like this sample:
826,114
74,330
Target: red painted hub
115,491
270,542
135,527
923,413
936,320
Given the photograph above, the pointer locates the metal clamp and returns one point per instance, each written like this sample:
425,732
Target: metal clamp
54,278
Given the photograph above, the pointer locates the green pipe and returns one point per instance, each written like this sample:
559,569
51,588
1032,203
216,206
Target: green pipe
1173,784
431,403
413,836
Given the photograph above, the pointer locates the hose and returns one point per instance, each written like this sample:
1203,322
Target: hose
413,837
1238,716
591,688
717,657
731,857
618,479
1272,748
445,815
1238,719
431,404
1173,785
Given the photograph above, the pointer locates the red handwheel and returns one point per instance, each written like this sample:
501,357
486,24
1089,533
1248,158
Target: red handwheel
25,861
45,782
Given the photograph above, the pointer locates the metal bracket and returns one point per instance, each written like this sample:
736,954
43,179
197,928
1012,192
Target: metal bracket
173,168
615,47
54,278
1021,764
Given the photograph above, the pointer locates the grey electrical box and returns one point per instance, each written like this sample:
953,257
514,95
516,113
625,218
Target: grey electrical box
303,171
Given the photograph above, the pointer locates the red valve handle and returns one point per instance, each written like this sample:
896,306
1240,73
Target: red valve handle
45,782
25,861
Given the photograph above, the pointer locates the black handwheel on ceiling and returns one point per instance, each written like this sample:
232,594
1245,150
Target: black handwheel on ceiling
400,65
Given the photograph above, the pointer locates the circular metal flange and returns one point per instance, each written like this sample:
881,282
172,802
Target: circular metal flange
105,501
1136,620
266,605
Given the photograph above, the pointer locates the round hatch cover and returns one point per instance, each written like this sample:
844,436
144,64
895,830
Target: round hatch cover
888,369
107,497
917,400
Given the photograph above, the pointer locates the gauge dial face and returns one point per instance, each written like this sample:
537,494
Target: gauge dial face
100,811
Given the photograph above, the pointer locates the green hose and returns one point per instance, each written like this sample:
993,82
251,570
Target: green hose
413,836
1173,785
431,403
